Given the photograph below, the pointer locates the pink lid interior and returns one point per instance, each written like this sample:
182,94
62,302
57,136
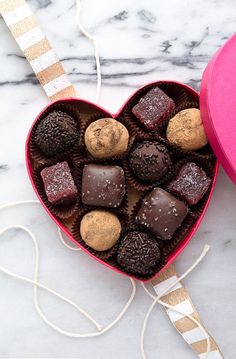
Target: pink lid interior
218,105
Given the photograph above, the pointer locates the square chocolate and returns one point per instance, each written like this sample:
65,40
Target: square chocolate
59,184
153,108
103,185
191,183
161,213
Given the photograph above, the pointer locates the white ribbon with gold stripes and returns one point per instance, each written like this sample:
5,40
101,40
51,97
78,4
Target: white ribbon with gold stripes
178,297
30,38
50,73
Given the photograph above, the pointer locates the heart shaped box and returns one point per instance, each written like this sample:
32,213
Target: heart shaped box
213,114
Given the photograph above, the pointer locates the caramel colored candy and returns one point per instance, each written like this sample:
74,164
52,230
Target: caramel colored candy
100,230
106,138
186,130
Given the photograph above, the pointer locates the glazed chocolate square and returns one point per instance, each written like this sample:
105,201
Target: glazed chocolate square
59,184
103,185
153,108
191,183
161,213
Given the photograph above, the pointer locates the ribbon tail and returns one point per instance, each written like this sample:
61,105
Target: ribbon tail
36,48
179,297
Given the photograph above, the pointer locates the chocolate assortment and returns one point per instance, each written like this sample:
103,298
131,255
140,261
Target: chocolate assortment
90,162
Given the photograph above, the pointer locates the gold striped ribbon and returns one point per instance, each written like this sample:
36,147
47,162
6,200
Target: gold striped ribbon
50,73
31,40
178,297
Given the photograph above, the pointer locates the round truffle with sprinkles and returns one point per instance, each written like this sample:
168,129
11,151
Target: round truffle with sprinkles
149,161
56,133
138,252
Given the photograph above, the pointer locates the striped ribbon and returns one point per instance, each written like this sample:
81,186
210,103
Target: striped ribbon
51,75
31,40
178,297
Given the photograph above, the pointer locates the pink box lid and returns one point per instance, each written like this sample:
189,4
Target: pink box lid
218,105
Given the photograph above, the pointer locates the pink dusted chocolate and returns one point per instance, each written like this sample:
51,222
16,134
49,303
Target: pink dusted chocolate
191,183
153,108
161,213
59,184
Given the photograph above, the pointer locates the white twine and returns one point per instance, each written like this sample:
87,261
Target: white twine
37,284
96,49
156,299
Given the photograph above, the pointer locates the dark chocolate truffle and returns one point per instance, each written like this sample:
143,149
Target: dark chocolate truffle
191,183
138,252
161,213
103,185
59,184
100,230
149,161
153,108
56,133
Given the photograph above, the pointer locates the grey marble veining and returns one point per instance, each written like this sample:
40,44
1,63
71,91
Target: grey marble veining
139,42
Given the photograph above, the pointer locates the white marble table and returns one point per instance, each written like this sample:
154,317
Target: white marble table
139,42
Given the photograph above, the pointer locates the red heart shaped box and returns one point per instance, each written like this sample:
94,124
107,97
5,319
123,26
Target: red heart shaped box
85,103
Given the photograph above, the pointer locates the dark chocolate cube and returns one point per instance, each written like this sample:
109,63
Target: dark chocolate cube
153,108
161,213
191,183
59,184
103,185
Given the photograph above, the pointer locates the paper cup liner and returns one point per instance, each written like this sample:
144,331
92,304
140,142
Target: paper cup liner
123,207
207,166
62,211
205,151
130,127
159,265
36,154
174,91
180,234
104,255
183,106
139,184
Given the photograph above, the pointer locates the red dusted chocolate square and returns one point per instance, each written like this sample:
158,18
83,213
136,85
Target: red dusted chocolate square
59,184
153,108
191,183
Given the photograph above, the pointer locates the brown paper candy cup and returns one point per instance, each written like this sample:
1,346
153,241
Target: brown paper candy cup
62,211
37,155
104,255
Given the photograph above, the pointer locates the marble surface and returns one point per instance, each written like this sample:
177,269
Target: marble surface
139,42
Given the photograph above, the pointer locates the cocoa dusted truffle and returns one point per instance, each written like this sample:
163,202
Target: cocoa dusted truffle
100,230
56,133
138,252
149,161
186,130
153,108
191,183
103,185
59,184
106,138
161,213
